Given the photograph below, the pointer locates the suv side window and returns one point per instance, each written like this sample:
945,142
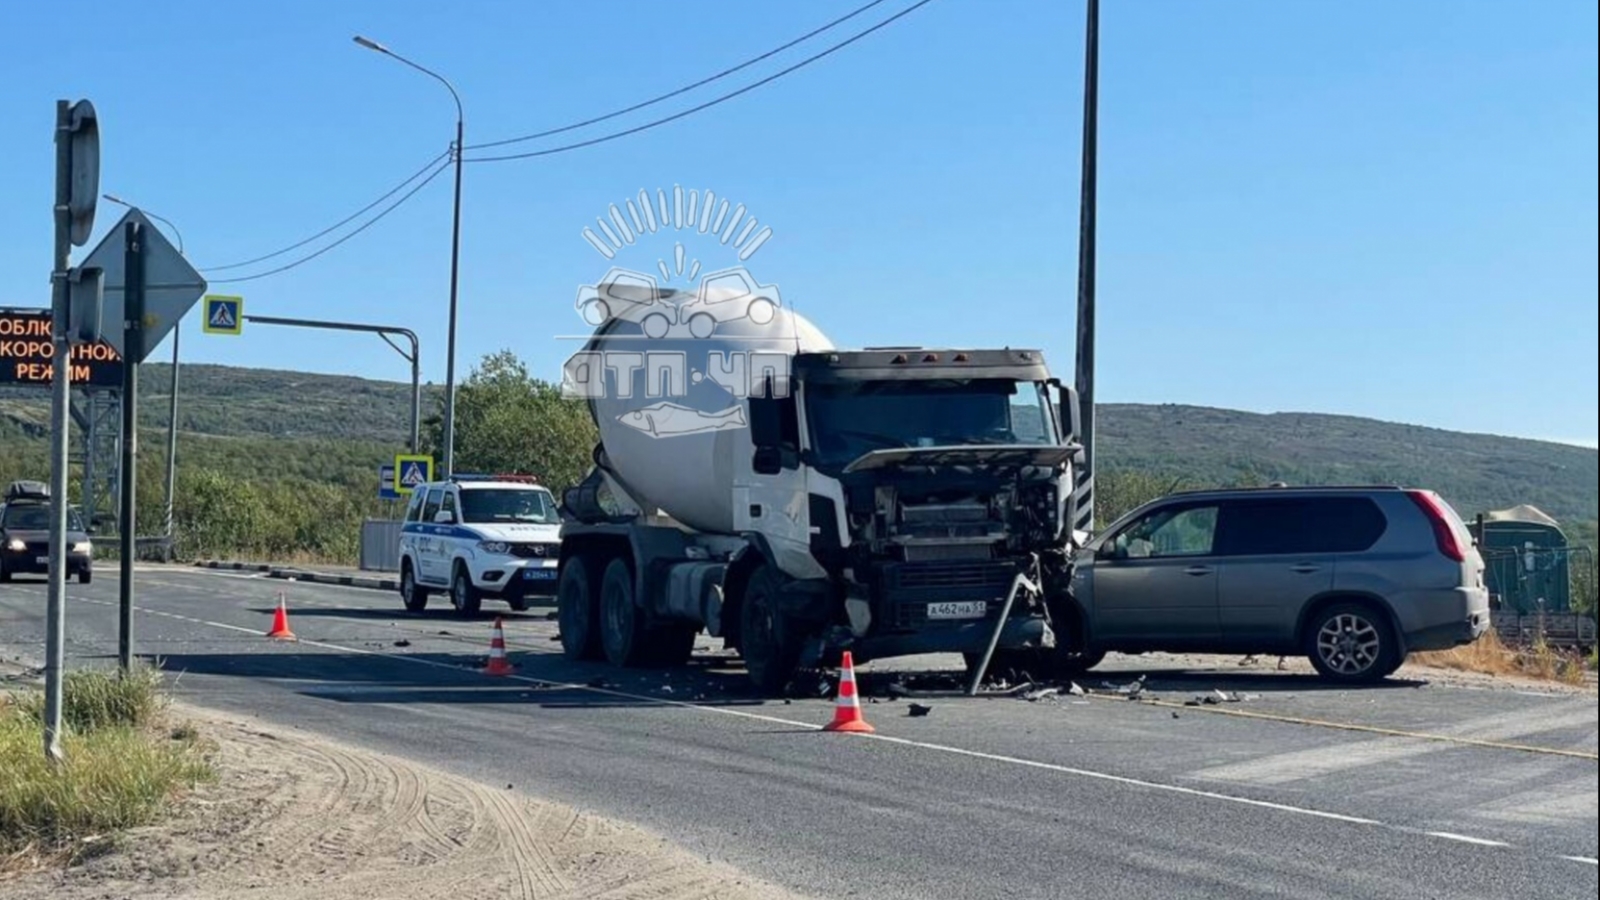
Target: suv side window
431,508
1168,532
1266,527
449,505
414,509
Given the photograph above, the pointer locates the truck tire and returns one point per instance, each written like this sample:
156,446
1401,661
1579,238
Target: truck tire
768,640
463,596
85,576
411,593
623,632
577,608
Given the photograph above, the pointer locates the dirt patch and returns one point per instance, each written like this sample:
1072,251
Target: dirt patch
295,817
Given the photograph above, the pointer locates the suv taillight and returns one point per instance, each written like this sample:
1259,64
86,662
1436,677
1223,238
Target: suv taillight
1443,534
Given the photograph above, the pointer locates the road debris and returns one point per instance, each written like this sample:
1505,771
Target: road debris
1040,694
402,643
917,710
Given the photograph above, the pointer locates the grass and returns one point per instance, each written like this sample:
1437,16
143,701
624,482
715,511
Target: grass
1488,655
122,769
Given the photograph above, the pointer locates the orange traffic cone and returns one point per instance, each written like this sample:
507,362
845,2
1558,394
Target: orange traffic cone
847,710
280,622
498,664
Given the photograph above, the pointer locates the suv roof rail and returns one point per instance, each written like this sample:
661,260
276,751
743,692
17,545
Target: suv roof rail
1282,486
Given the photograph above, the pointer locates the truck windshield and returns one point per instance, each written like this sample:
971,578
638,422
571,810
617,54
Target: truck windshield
36,518
508,505
850,419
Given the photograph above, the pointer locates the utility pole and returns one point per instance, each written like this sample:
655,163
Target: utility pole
1083,495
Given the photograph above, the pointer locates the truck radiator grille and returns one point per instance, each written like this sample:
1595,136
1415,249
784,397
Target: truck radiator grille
919,575
947,552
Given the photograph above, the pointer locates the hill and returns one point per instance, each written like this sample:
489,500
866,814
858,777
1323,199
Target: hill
259,422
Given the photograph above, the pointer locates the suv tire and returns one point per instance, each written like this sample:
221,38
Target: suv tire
463,596
412,594
1352,643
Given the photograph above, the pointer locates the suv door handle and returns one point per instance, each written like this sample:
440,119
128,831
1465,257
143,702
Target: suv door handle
1197,570
1305,568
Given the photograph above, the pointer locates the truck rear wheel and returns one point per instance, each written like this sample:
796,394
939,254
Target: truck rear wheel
768,640
577,607
623,632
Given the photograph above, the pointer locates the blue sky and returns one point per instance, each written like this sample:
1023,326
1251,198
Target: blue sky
1382,209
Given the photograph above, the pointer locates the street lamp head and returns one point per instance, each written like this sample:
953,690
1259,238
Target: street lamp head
370,44
117,200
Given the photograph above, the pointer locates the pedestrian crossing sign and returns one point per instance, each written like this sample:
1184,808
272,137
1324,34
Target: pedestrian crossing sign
224,315
410,471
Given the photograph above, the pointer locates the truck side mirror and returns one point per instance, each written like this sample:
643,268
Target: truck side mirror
1069,412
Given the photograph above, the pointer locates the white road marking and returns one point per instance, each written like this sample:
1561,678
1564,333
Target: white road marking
1466,840
923,745
1582,859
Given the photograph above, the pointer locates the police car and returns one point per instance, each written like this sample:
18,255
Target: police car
478,536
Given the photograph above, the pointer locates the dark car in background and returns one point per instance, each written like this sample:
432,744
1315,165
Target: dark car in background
25,535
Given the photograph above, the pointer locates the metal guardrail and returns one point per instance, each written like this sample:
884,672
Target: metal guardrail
380,545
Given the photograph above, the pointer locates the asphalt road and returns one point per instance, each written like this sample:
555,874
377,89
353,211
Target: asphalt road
1296,791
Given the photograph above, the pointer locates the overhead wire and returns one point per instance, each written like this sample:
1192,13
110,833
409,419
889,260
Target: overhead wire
569,147
709,103
686,88
335,226
368,224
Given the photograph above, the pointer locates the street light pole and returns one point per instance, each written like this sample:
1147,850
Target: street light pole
172,405
449,437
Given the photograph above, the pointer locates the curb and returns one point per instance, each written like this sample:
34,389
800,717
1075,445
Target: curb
376,583
356,581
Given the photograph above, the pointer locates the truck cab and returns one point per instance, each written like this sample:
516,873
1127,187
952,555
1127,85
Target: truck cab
888,501
476,537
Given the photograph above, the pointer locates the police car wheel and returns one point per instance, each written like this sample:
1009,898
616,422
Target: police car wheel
411,593
463,596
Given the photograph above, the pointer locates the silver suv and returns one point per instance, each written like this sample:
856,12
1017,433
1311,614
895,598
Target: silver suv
1356,578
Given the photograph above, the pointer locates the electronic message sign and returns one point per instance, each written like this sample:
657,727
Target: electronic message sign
28,357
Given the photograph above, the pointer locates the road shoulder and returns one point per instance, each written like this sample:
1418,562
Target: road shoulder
303,817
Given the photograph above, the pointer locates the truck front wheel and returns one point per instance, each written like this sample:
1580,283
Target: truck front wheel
576,607
768,640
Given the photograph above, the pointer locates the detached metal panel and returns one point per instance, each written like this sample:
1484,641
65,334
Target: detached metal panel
380,545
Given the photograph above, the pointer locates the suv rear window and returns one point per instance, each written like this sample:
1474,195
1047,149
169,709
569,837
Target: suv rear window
1299,525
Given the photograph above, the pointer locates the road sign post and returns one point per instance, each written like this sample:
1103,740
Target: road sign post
147,287
133,334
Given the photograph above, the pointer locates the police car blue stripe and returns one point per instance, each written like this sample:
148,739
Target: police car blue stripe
455,531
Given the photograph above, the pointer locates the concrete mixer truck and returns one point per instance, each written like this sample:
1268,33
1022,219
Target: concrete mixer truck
797,500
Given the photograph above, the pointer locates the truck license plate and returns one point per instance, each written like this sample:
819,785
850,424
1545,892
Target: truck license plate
970,609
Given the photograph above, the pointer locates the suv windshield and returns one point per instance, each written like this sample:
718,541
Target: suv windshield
35,517
850,419
508,505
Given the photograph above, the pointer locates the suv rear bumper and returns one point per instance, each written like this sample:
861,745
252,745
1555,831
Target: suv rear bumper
1446,619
